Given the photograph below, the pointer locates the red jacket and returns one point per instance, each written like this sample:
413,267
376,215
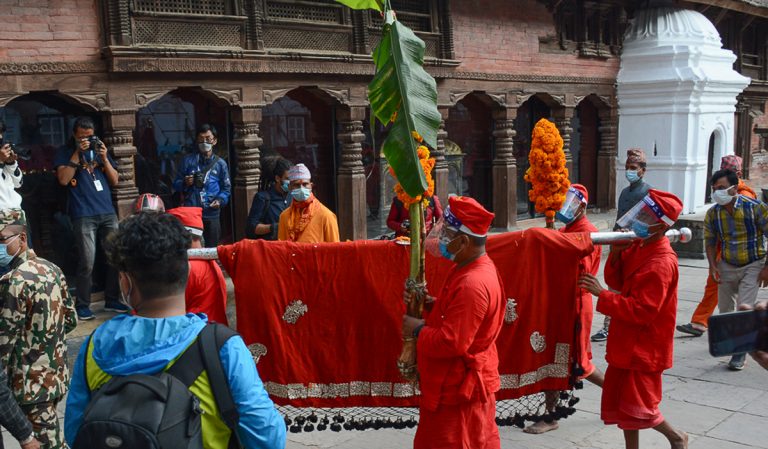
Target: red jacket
456,350
643,314
207,290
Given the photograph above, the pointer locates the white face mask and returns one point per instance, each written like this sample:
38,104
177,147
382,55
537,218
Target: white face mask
204,147
722,197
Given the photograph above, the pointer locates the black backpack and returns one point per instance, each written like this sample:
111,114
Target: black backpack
158,411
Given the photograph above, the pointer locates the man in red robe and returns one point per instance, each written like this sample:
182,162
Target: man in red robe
642,315
206,288
574,215
456,345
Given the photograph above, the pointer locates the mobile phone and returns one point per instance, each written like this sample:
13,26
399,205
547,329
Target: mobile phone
738,332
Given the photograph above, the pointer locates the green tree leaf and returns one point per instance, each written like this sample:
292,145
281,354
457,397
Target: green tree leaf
363,4
402,86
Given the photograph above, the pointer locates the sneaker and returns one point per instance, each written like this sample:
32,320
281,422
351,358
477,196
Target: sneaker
84,314
600,335
737,362
117,307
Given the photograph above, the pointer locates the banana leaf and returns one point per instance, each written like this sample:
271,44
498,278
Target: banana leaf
404,90
363,4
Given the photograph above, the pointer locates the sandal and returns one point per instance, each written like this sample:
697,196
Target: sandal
689,329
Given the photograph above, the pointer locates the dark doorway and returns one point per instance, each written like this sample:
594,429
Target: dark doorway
585,142
470,126
301,128
165,134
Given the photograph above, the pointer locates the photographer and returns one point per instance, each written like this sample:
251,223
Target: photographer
10,175
203,179
88,172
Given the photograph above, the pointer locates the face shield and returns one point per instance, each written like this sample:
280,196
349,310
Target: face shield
439,237
642,216
573,200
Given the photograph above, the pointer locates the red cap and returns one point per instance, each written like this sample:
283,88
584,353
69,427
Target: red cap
468,216
668,202
731,162
190,217
582,190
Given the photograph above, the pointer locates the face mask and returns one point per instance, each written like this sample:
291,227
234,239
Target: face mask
444,242
632,176
722,197
301,194
204,147
564,218
284,185
640,229
5,258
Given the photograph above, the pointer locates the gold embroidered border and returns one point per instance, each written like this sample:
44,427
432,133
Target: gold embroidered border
557,370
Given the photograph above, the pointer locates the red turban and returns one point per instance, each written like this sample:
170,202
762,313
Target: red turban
190,217
582,190
668,202
468,216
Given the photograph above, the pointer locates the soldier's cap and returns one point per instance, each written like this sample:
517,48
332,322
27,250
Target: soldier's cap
12,217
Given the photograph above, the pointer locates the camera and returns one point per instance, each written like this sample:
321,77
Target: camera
199,179
90,153
22,153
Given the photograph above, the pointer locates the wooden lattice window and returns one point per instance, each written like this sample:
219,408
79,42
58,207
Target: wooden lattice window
591,28
187,7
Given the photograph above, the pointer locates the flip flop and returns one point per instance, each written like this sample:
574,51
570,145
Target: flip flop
689,329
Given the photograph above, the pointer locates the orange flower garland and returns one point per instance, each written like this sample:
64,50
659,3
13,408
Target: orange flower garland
427,164
547,173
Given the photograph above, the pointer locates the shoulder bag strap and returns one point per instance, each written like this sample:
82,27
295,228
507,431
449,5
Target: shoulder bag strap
212,338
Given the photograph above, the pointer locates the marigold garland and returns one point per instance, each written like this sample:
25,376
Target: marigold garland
427,164
547,173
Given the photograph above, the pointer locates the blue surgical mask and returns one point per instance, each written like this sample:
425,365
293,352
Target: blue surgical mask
632,176
301,194
285,185
443,244
566,219
5,258
640,229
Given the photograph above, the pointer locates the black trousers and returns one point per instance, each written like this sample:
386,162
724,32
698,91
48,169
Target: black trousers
211,232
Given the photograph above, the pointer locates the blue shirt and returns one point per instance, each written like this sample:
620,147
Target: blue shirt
84,197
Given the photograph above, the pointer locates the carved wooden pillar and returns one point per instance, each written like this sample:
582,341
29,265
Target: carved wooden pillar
563,119
440,172
246,142
351,187
254,35
118,137
606,160
743,147
504,170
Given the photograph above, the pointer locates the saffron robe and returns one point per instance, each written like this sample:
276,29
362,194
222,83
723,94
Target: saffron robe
458,361
322,227
589,264
640,343
207,290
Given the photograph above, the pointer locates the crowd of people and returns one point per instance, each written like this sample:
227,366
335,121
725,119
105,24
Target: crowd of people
173,352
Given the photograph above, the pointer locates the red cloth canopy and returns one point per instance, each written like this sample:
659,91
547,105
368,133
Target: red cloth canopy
325,319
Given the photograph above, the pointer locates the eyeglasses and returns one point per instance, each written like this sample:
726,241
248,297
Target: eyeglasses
5,239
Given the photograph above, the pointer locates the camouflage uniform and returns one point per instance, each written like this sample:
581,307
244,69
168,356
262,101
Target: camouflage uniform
36,312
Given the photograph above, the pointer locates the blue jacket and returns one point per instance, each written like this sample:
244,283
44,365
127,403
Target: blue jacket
135,345
216,185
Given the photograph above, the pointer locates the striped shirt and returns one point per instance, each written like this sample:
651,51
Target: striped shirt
742,234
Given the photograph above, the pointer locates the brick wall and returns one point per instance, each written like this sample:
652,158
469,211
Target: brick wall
758,174
494,36
49,30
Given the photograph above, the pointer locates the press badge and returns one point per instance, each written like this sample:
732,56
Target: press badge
97,183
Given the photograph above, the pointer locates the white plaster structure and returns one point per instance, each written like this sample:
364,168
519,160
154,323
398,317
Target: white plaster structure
676,88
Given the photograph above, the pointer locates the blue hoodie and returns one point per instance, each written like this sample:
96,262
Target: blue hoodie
135,345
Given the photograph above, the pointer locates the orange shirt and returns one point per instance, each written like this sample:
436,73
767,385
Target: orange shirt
322,227
744,189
